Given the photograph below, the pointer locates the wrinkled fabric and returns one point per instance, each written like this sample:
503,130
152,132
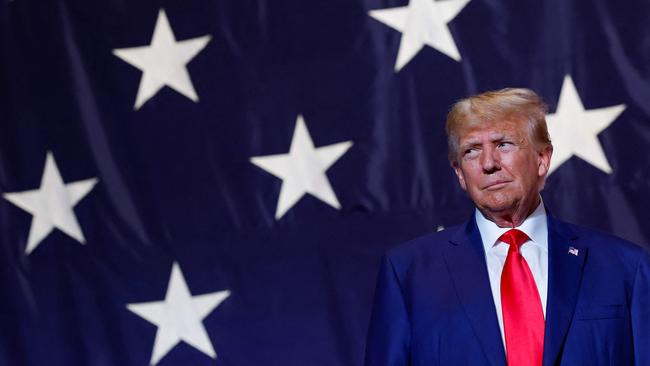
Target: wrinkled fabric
176,185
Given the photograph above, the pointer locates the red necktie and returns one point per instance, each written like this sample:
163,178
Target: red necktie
523,319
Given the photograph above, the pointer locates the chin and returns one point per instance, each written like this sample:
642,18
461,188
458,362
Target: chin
498,206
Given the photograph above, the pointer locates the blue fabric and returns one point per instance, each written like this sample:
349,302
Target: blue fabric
176,185
433,304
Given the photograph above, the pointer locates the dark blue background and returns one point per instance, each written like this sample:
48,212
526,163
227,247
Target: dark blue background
176,184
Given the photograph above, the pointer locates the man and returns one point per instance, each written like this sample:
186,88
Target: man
546,293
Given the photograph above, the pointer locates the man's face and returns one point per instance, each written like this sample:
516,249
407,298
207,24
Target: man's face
499,167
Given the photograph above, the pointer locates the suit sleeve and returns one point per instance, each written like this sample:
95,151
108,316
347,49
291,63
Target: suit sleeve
389,332
640,311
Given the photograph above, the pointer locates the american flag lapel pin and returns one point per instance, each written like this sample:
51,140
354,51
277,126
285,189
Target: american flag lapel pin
573,251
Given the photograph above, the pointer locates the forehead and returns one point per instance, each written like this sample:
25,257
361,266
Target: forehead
492,129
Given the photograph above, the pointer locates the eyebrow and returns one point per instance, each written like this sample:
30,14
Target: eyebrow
477,141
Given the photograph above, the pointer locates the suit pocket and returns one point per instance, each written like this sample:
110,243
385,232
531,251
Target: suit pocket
587,312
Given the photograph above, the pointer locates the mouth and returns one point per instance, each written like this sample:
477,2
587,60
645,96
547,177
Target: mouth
493,186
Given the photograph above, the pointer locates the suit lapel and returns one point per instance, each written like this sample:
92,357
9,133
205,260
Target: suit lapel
564,276
466,263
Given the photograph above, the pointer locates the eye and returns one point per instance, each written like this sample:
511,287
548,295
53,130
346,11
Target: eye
470,153
505,145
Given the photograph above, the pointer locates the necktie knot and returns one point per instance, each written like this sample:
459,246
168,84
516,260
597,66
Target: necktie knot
515,238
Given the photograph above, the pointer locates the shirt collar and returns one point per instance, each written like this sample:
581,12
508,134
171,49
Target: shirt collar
535,226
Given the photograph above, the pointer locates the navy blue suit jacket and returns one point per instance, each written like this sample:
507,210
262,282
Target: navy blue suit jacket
433,303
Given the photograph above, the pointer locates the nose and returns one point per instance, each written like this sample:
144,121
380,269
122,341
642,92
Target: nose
490,160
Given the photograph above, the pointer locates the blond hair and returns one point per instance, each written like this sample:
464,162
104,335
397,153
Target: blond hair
493,106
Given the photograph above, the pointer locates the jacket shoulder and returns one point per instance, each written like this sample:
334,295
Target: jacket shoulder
605,244
428,245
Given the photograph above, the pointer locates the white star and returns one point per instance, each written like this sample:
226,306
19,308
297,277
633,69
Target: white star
163,61
574,130
422,22
302,170
179,317
52,204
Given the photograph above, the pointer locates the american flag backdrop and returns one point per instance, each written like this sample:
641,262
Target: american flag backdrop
213,182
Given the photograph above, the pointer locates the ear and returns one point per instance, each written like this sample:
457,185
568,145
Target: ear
460,175
544,161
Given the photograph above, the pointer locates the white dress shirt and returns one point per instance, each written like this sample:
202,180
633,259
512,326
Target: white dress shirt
535,251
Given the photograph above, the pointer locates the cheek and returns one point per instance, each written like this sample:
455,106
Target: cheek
528,175
522,167
466,174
